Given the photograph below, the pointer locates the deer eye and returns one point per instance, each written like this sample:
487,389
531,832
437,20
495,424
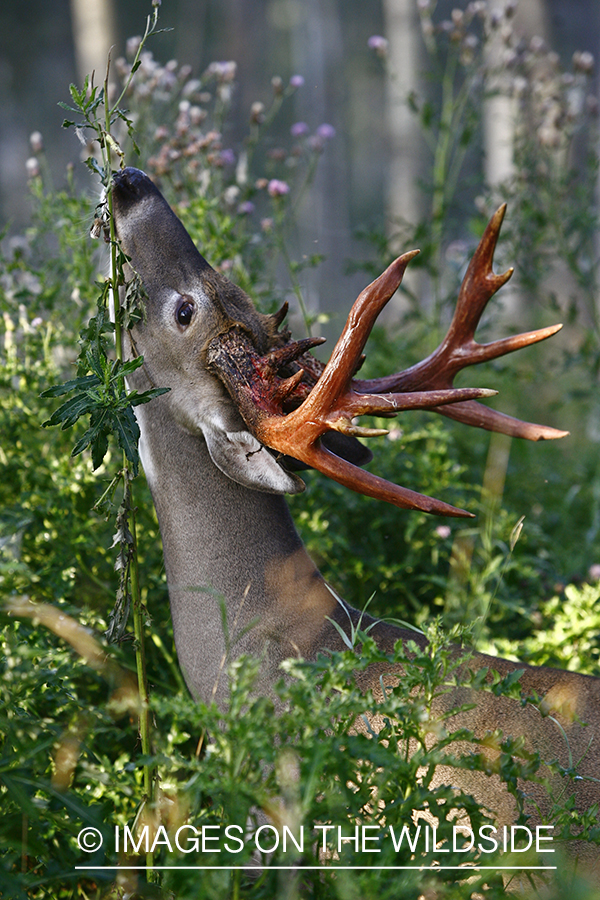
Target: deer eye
184,312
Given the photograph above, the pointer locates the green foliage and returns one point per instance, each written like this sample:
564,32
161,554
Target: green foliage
399,555
70,752
67,764
102,395
567,632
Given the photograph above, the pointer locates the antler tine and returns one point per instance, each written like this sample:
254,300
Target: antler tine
480,416
346,354
364,482
479,284
459,348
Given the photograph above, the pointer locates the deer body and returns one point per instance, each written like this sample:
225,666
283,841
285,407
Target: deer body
239,547
228,536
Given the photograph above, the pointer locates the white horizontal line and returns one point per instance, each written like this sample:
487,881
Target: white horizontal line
333,868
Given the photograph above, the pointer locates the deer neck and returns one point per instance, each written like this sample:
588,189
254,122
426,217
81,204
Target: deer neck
239,577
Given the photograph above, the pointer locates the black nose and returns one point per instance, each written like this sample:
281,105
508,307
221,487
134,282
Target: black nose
133,184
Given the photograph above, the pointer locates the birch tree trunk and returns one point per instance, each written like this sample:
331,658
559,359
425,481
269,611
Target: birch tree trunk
93,23
499,115
530,20
404,51
404,201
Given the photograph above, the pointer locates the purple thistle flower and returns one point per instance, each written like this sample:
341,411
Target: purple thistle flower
278,188
379,44
298,129
296,81
246,208
228,157
325,131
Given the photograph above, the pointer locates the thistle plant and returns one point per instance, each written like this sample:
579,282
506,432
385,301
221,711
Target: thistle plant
473,56
100,390
210,176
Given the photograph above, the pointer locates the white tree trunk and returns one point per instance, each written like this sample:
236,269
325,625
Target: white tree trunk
93,36
404,51
499,113
404,201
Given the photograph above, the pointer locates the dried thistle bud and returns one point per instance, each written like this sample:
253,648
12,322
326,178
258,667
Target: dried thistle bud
537,44
278,154
197,115
257,111
32,167
96,229
36,142
583,62
190,87
476,8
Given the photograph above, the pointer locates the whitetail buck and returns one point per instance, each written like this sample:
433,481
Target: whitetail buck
244,400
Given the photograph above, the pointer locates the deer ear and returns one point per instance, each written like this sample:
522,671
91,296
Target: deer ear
245,460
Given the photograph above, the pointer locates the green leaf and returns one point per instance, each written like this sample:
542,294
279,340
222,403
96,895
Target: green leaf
87,381
131,365
69,412
77,95
128,435
99,449
136,399
93,164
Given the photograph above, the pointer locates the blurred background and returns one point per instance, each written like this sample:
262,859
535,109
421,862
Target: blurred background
375,163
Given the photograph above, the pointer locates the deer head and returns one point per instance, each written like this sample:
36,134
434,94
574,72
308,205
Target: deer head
188,305
260,399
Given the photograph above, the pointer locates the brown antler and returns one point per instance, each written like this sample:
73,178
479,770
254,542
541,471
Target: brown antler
266,400
332,403
459,348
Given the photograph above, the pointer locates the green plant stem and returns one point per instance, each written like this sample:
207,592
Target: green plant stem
133,572
448,156
151,22
279,227
140,656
